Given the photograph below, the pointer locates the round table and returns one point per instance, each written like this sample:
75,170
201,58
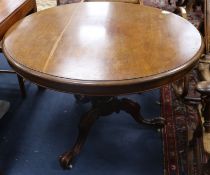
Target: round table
103,50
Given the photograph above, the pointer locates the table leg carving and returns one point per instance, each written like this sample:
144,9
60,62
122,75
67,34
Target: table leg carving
104,106
133,109
84,127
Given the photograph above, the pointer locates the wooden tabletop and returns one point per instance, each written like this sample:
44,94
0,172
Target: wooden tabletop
101,48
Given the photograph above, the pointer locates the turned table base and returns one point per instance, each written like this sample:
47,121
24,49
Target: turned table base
103,106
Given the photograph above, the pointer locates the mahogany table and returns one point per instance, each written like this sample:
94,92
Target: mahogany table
103,50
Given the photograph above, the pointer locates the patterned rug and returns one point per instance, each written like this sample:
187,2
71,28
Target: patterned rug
182,135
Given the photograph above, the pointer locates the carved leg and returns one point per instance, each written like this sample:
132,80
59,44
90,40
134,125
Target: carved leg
133,109
84,128
103,106
112,104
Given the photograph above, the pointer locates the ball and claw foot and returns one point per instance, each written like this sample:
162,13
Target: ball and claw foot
66,161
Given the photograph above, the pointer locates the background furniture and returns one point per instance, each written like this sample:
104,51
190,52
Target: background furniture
63,2
10,12
204,87
166,5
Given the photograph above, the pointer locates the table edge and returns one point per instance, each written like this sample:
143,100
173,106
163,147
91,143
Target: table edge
104,87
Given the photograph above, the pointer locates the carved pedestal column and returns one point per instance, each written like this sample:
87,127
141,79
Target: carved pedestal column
103,106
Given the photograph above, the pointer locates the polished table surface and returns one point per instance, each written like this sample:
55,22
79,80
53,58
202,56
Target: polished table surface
103,48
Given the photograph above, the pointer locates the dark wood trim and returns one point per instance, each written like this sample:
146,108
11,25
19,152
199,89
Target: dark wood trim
104,88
